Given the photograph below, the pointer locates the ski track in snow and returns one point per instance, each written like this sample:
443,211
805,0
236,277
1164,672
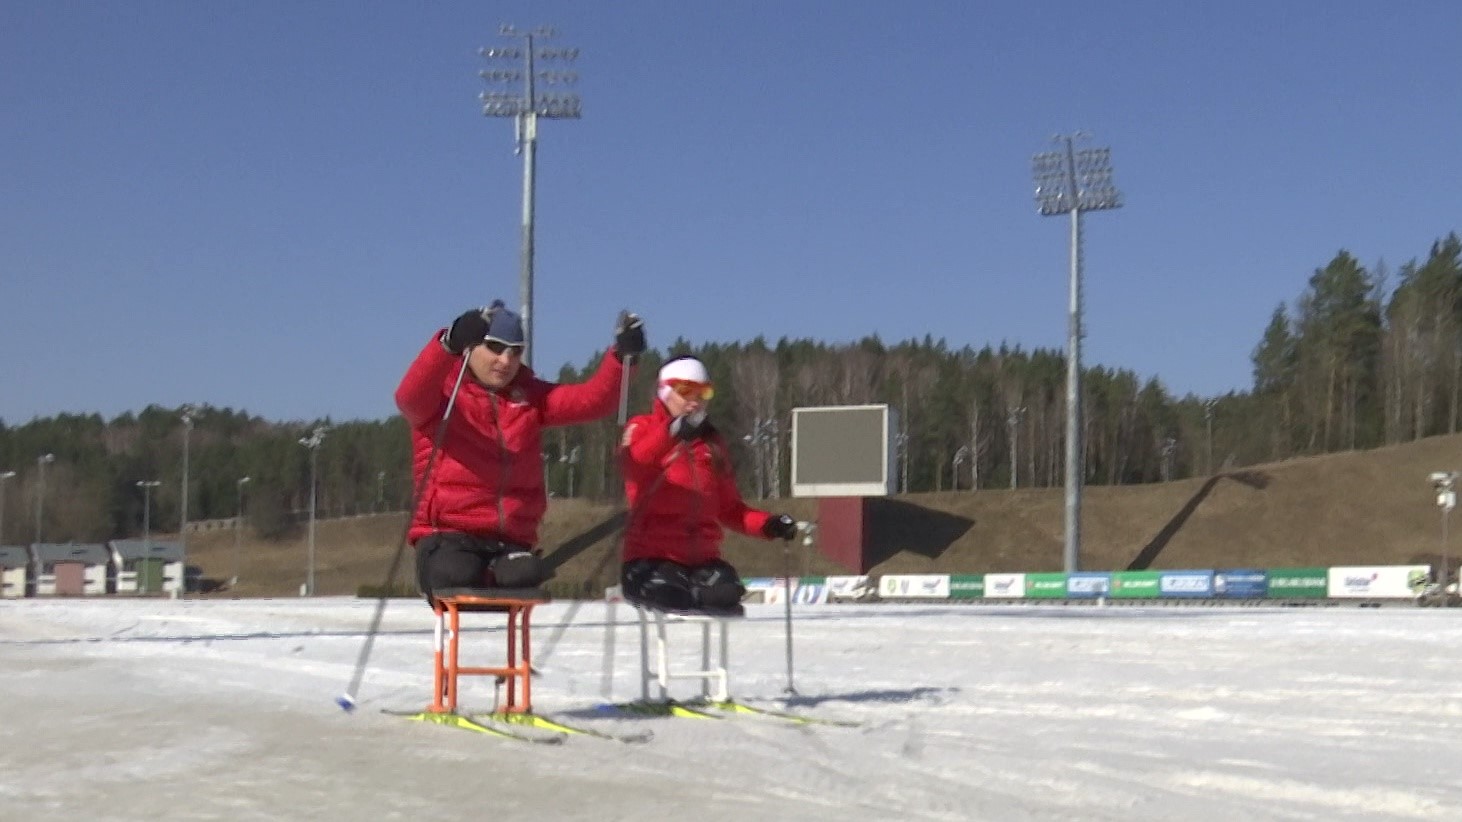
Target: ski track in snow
222,709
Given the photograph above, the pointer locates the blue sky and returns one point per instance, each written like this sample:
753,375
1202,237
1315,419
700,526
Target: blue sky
271,205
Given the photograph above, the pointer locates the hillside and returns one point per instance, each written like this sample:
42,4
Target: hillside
1356,508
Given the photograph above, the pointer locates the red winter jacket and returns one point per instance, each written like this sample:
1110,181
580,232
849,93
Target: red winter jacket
680,494
488,477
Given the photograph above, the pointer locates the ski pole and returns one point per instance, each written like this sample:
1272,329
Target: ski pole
591,580
806,529
347,699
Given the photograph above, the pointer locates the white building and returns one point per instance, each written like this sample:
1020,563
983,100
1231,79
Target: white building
14,570
70,568
146,567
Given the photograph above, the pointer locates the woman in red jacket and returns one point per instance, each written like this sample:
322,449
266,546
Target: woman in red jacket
476,521
681,491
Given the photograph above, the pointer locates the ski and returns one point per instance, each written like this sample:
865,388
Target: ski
732,706
548,724
677,709
718,709
472,724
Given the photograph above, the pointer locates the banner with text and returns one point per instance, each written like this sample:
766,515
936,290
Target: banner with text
1378,581
914,586
1005,586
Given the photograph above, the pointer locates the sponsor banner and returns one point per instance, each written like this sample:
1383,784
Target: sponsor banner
1240,583
1298,583
1005,586
1045,586
765,590
1185,583
1134,585
966,586
1088,585
1378,581
914,586
847,587
810,591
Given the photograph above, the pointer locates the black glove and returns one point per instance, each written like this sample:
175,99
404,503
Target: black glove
466,331
780,526
629,336
688,426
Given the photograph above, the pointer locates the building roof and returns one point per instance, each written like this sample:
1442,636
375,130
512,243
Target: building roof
166,550
90,553
14,556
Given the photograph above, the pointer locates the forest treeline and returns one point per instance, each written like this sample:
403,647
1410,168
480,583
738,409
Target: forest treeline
1363,357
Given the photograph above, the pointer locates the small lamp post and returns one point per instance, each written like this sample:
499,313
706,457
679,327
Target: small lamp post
238,529
146,486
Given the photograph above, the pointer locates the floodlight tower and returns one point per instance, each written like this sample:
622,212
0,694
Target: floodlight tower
1070,182
526,105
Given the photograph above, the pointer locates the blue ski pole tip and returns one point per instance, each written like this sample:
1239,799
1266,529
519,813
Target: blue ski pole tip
346,702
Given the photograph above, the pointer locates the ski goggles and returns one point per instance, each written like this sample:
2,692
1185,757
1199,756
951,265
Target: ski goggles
497,347
692,390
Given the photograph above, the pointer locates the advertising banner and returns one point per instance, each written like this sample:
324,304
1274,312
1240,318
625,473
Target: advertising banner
1005,586
1185,583
1045,586
766,590
1240,583
1088,585
966,586
1378,581
810,591
1134,585
843,588
1298,583
914,586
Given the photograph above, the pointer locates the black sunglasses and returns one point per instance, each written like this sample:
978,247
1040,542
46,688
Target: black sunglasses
498,347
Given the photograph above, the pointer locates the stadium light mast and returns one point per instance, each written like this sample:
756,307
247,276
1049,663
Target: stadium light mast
526,104
1070,181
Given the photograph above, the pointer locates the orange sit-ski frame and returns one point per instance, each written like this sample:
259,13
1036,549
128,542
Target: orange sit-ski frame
446,665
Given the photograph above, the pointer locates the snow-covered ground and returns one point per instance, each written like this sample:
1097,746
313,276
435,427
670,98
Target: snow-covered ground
139,710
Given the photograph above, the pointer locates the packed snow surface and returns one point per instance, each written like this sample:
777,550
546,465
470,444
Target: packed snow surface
225,709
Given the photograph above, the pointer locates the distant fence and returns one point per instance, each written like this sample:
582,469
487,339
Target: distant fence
297,517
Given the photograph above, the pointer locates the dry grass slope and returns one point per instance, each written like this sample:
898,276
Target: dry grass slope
1357,508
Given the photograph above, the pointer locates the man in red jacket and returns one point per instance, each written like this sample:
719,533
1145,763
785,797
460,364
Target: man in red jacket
681,491
476,521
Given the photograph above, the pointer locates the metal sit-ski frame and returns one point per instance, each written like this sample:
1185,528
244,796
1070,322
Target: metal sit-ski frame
516,673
